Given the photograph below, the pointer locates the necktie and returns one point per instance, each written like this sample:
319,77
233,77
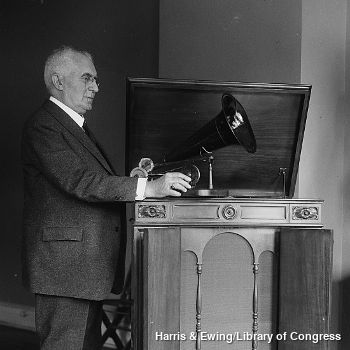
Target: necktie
88,132
86,128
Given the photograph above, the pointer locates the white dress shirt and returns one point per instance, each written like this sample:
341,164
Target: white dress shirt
141,182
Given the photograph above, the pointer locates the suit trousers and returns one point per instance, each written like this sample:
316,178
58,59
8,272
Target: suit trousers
64,323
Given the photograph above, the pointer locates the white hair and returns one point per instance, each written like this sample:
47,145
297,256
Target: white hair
59,62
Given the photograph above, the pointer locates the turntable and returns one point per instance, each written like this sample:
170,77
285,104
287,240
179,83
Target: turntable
237,252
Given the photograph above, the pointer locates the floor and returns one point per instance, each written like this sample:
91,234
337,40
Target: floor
18,339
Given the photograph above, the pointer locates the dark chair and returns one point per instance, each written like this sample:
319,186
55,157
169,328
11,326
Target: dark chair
120,323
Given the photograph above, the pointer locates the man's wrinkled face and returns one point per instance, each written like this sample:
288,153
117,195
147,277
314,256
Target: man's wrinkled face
79,84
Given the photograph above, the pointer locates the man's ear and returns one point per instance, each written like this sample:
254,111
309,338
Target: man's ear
57,81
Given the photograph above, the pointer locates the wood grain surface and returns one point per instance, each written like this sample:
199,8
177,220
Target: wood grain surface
163,114
304,292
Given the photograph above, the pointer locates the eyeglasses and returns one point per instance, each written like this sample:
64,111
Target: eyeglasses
90,79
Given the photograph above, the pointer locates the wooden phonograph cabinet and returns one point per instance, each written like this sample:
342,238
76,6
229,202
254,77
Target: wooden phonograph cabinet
236,262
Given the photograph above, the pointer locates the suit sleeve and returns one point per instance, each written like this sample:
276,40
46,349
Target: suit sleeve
45,150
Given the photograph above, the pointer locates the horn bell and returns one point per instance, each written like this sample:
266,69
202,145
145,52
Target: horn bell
231,126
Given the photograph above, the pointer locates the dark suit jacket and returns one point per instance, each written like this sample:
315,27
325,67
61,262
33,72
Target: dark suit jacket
72,207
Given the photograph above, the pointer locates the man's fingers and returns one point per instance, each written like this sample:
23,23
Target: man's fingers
185,177
174,193
178,175
172,184
183,184
180,187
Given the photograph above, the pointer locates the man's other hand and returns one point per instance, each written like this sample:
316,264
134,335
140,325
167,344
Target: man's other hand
170,184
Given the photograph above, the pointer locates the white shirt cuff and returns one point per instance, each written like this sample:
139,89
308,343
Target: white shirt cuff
141,188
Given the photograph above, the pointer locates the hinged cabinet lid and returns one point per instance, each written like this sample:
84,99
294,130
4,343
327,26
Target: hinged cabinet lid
162,114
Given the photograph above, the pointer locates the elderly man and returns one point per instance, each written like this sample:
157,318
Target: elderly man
72,208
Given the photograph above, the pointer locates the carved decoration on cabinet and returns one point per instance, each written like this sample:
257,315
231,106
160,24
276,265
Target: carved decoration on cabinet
152,211
229,212
305,213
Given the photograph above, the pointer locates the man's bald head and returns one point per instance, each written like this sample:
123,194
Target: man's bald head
70,76
59,62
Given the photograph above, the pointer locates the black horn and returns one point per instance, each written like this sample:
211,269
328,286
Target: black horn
231,126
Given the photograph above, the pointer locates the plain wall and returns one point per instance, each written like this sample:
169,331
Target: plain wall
241,40
123,38
321,173
344,304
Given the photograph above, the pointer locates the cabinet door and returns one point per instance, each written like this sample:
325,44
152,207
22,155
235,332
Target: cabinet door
304,291
161,285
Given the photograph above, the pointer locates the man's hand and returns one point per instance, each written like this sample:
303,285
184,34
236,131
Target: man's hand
170,184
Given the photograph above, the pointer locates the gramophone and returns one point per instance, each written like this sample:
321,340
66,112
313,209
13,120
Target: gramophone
230,127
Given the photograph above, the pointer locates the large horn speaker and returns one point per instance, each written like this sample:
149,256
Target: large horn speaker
231,126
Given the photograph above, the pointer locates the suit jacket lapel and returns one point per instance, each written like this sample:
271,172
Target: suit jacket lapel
77,132
99,147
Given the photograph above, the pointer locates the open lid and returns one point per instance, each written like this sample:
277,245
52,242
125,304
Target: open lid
163,114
